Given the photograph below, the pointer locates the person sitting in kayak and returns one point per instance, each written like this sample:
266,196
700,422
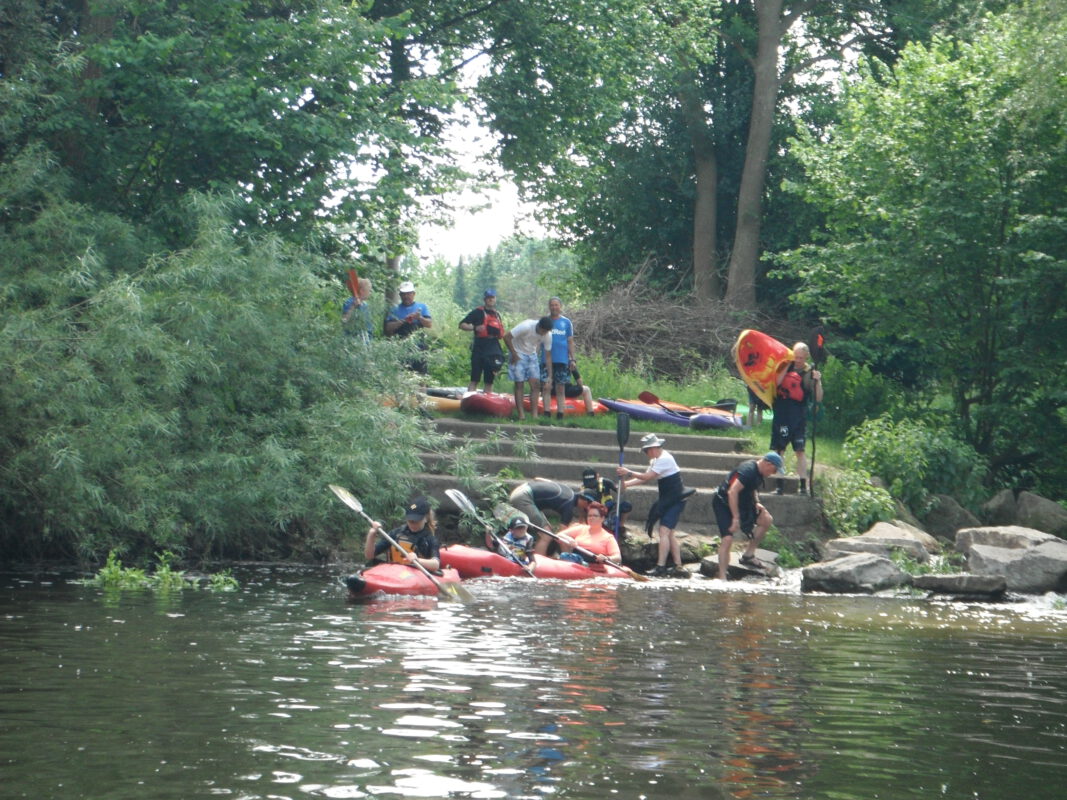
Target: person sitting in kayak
592,536
416,537
517,539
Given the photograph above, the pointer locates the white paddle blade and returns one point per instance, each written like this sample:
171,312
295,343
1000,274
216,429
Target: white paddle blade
461,500
347,497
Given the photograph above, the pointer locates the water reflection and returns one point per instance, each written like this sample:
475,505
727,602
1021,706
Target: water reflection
537,688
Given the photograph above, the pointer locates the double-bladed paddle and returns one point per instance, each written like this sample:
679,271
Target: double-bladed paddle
500,512
450,591
622,433
466,506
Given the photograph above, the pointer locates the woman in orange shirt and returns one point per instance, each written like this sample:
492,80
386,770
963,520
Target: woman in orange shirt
592,536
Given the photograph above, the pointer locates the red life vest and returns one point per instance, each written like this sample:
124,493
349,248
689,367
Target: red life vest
494,326
792,386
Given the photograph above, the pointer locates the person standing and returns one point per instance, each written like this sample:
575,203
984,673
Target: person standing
669,506
355,313
487,357
407,318
798,385
736,507
560,355
523,342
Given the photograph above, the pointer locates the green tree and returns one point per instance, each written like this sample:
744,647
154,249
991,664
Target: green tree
459,293
943,189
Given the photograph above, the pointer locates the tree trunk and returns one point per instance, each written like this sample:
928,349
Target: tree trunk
741,280
705,210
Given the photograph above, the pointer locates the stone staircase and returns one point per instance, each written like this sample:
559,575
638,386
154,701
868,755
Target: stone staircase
562,453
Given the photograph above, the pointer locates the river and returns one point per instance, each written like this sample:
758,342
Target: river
672,689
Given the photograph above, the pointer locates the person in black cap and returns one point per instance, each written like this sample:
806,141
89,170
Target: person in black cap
603,491
517,538
487,356
416,537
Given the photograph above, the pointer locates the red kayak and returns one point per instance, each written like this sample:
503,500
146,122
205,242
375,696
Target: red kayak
491,403
474,562
396,579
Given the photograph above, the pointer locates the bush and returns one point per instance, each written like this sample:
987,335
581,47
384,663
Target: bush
852,503
916,461
854,394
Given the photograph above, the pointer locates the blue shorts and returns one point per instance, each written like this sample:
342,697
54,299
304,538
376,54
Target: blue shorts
670,517
525,369
561,374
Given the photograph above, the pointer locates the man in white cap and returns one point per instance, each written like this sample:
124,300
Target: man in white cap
668,508
737,508
407,318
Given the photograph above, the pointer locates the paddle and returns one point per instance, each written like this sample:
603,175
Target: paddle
500,512
467,507
450,591
651,399
622,433
817,353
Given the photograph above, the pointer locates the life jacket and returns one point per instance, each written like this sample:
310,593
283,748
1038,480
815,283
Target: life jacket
792,386
494,326
395,557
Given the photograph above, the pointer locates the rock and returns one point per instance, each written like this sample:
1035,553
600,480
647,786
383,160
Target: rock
962,583
900,529
1033,570
999,509
1012,537
859,573
1037,512
884,547
904,513
947,516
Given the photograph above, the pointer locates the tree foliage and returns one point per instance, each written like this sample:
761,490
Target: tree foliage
943,191
199,403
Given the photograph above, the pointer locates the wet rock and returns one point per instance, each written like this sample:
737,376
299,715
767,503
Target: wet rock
963,584
1033,570
858,573
883,538
1040,513
947,516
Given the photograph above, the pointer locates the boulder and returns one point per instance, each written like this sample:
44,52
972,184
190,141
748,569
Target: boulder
1040,513
963,584
884,547
1032,570
946,516
901,529
1012,537
864,573
999,509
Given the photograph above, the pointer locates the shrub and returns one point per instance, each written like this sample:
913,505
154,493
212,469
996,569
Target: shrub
853,395
852,503
916,461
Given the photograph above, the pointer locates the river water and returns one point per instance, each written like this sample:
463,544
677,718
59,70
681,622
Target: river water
672,689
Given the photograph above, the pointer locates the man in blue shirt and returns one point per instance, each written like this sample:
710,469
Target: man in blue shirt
407,318
562,356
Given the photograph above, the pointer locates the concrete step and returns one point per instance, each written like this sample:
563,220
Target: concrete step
563,434
790,511
569,470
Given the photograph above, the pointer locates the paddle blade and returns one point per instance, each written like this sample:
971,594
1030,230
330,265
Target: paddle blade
637,576
463,503
347,498
455,591
622,428
648,397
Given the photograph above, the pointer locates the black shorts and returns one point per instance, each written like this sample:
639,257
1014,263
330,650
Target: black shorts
789,428
723,518
485,366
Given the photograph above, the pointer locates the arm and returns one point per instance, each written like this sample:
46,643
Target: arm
816,383
635,478
369,545
511,347
733,498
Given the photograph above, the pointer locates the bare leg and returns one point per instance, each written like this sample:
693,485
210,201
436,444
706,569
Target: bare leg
763,524
725,543
519,387
587,396
535,390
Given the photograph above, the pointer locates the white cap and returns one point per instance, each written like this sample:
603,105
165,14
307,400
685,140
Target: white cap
407,286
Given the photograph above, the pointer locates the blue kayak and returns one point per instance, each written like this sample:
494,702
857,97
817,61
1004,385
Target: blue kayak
698,419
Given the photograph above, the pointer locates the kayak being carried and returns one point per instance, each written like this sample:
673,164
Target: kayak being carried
696,417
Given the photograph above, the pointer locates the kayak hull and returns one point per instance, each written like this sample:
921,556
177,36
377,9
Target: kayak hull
474,562
396,579
492,404
695,418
